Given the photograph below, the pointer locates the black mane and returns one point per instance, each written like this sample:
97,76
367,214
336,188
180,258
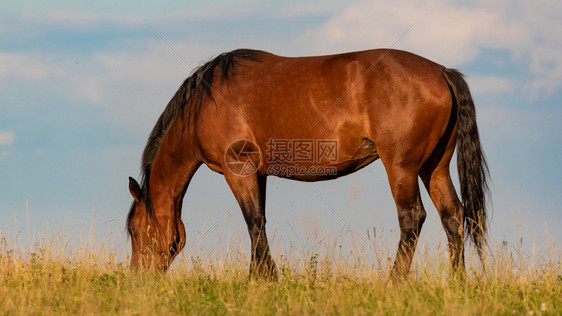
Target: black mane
196,89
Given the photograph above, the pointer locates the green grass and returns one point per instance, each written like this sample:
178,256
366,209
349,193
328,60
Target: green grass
55,278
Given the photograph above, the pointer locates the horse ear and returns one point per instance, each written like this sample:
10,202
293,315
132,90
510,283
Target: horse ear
135,189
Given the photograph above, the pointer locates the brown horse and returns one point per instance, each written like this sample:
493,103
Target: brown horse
248,114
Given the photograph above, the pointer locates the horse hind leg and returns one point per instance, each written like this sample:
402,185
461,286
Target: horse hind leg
436,177
411,216
443,195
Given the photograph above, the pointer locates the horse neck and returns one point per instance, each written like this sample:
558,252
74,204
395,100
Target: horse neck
172,170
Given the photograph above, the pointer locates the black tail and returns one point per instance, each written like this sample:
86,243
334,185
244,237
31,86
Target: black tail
471,163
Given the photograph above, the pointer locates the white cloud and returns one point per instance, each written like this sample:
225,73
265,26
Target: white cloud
453,33
26,67
133,87
6,138
83,18
502,125
489,84
76,19
91,88
441,31
309,9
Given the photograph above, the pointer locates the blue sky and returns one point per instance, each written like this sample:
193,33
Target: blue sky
82,84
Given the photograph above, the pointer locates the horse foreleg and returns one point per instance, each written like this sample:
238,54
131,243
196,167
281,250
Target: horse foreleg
249,191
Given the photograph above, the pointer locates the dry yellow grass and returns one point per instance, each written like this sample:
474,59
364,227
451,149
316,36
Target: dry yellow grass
51,276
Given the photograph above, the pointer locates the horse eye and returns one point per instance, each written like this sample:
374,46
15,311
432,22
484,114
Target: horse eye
132,230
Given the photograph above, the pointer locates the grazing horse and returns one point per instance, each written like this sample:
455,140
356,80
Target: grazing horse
248,114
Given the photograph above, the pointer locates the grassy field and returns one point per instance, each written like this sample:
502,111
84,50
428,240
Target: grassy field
56,278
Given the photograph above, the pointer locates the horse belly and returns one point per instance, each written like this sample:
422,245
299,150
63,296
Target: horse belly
348,160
